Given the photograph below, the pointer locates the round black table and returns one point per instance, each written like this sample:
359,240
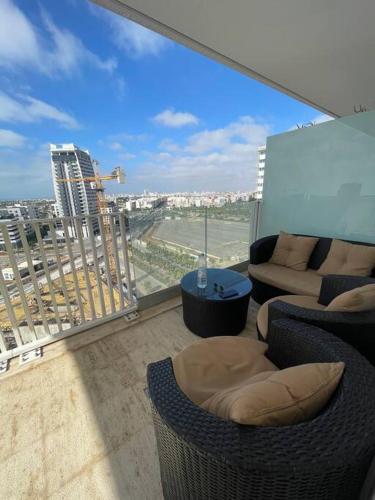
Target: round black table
206,313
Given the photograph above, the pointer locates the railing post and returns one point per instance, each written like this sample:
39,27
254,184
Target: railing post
34,281
106,262
73,268
125,253
21,291
116,261
96,264
84,267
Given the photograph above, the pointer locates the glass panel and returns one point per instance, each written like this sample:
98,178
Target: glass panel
166,242
165,245
228,232
321,180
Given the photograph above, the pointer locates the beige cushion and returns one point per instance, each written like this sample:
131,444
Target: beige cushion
293,251
356,300
346,258
277,398
215,364
297,282
306,301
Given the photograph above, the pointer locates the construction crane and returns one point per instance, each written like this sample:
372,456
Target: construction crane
97,184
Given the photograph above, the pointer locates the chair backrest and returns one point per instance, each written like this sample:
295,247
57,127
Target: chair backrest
294,343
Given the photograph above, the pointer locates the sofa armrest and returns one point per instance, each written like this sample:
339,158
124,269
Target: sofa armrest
262,249
335,284
339,323
354,328
280,310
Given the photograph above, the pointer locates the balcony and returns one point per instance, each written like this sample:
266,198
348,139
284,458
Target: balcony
86,394
78,422
76,419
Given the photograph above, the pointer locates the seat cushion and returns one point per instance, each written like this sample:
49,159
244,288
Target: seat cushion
297,282
276,398
306,301
356,300
346,258
217,363
293,251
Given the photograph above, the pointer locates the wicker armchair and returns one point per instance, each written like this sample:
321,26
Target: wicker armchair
356,328
204,457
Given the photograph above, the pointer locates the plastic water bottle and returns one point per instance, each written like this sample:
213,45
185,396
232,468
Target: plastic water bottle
202,272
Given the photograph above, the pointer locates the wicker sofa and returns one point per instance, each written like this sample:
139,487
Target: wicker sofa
203,456
271,280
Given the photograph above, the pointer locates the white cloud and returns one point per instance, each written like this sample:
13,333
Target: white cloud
243,132
131,37
69,52
169,145
61,52
18,38
10,139
115,146
28,110
175,119
322,119
219,159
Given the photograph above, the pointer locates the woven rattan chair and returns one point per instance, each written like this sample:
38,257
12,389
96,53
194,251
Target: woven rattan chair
356,328
204,457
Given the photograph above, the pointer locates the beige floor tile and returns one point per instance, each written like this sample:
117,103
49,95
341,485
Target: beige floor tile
78,425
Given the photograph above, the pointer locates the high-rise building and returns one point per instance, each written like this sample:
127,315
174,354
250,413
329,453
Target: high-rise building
73,198
260,172
13,232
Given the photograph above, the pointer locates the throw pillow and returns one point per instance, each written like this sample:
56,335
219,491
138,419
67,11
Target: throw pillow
293,251
347,258
356,300
284,397
217,363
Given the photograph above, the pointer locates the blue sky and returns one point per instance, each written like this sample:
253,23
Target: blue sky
175,120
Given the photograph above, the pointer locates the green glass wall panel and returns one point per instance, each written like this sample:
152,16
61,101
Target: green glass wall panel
321,180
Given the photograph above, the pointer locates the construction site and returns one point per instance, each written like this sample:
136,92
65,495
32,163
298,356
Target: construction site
62,307
80,277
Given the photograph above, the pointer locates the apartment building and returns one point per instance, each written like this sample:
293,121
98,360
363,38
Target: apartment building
260,172
68,161
13,231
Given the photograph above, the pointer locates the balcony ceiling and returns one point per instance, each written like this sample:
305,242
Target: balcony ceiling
320,51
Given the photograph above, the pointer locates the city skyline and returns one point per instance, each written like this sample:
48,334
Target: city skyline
172,118
145,192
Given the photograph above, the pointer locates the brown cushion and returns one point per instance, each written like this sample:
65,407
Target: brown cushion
356,300
297,282
293,251
306,301
346,258
215,364
277,398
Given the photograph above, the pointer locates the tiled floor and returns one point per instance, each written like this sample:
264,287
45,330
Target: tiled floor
77,424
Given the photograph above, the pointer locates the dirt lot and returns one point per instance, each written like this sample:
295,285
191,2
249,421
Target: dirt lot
61,302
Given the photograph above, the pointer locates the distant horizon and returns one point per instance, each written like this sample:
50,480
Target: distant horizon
50,198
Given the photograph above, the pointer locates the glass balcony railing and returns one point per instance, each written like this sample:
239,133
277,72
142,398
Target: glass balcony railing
71,273
166,242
